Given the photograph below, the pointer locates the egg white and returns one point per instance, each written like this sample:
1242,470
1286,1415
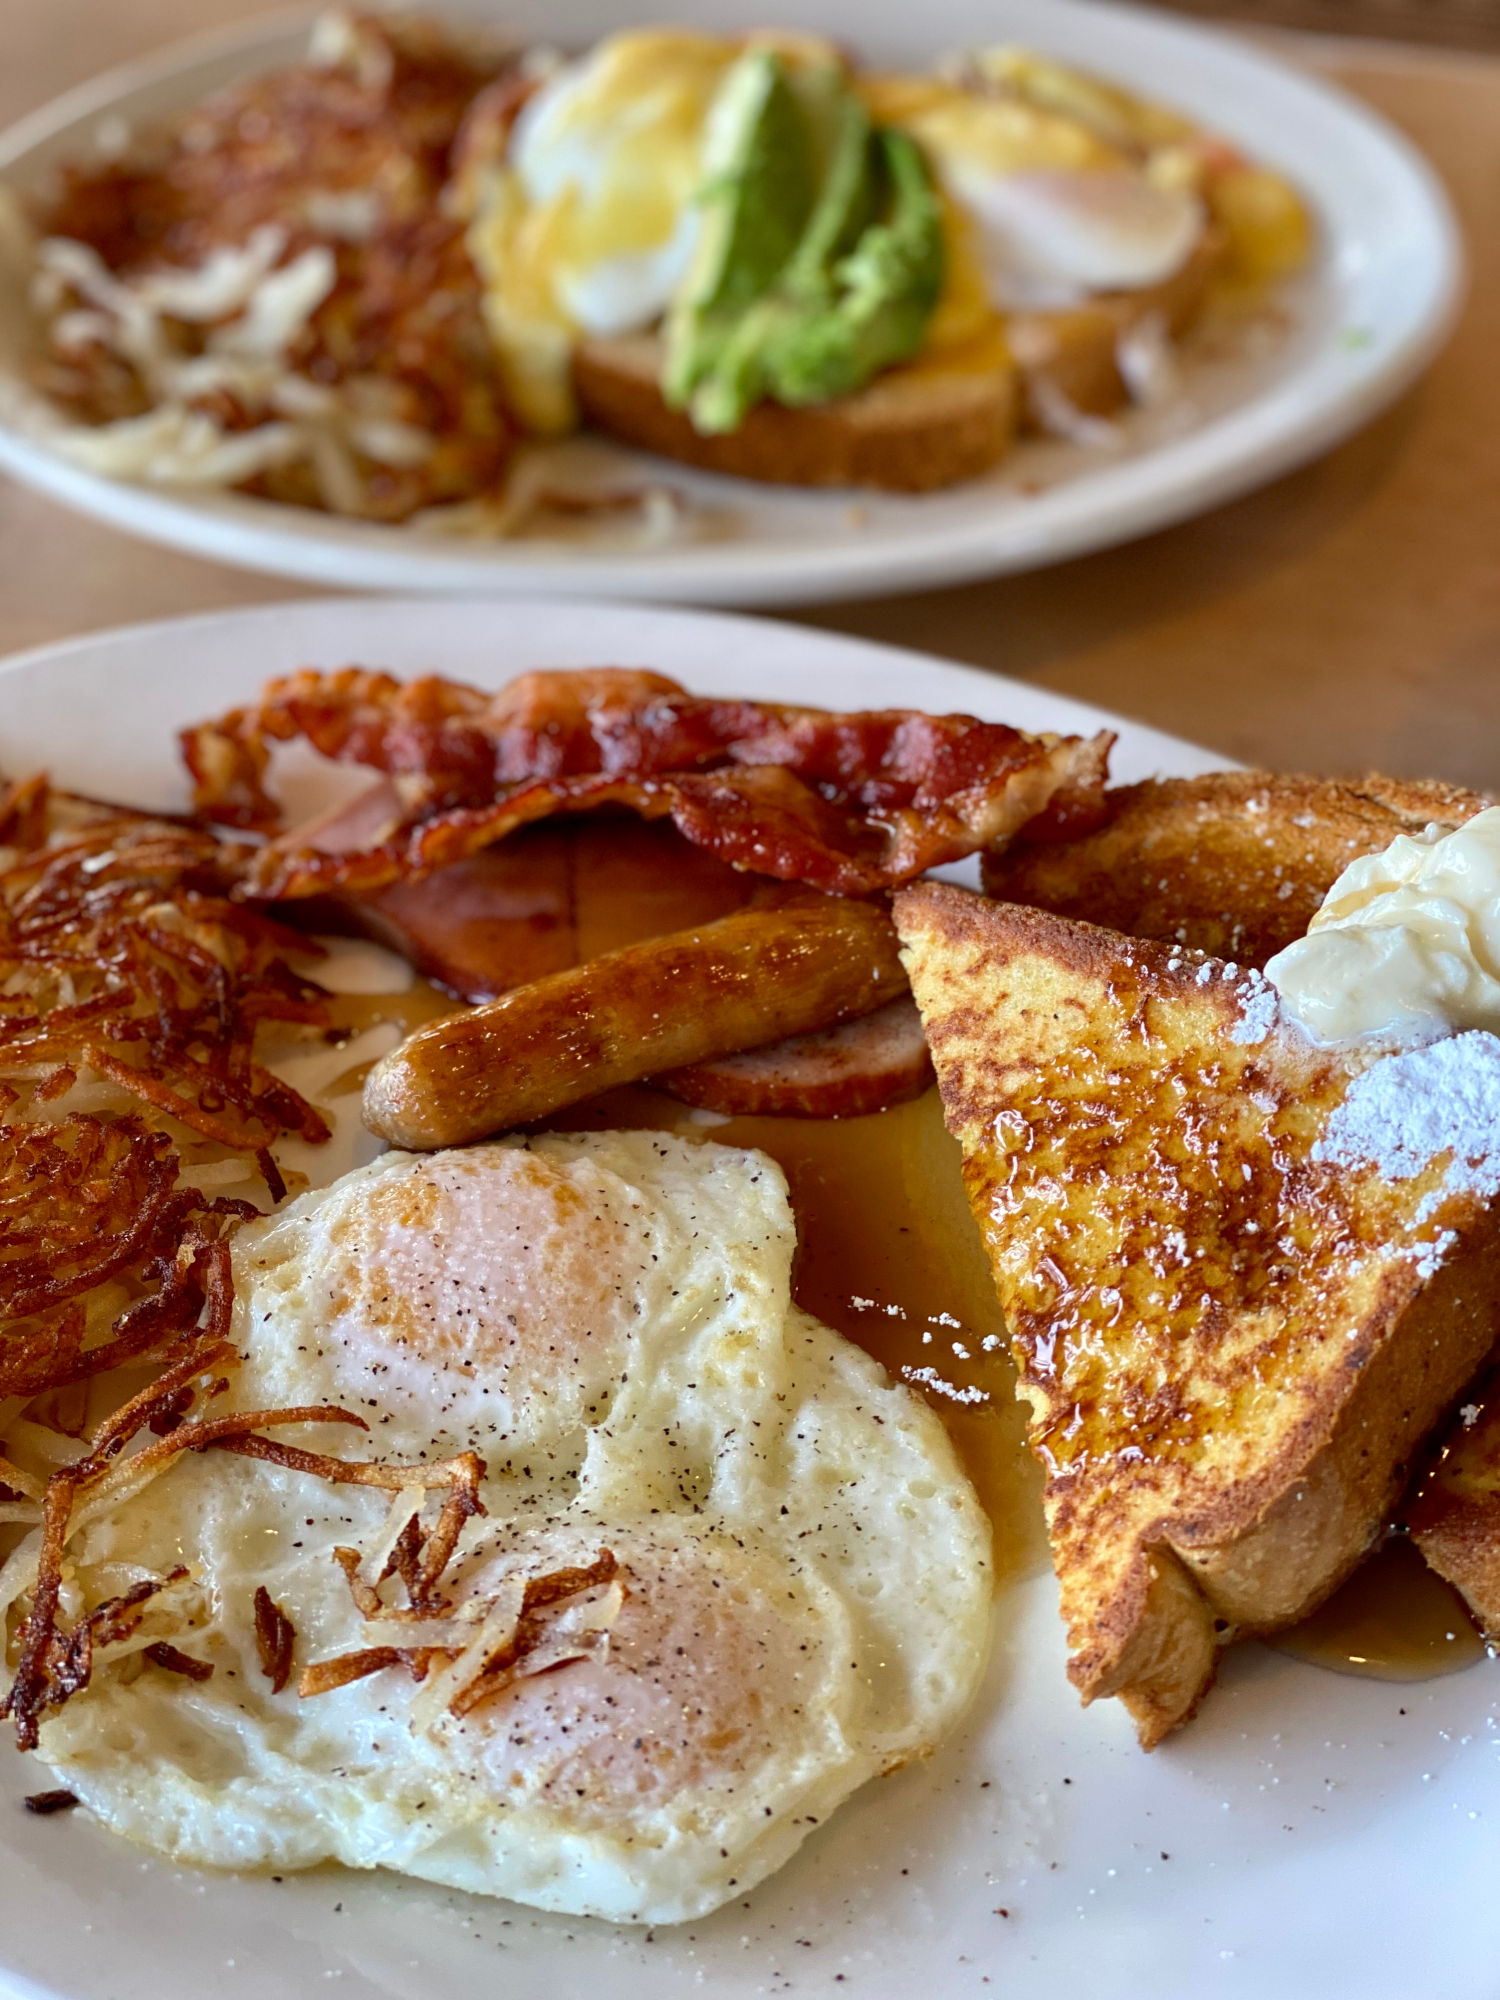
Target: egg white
607,1319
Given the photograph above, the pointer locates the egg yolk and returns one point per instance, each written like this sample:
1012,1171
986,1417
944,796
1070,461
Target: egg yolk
605,161
472,1293
712,1670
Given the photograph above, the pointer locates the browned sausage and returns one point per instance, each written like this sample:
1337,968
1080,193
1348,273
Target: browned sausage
750,978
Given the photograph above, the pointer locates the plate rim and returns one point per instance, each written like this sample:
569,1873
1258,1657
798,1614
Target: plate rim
850,644
1165,484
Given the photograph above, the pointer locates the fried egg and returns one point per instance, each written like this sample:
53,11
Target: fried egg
800,1592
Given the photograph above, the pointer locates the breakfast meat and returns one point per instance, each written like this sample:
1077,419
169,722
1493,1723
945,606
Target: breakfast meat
270,294
708,1573
543,899
1234,863
568,891
1244,1275
800,963
846,803
848,1071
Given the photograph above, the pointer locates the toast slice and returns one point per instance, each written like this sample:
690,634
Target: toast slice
1454,1518
1234,1329
1234,863
932,422
911,430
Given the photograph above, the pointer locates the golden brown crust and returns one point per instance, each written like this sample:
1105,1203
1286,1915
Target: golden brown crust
1231,1348
1235,863
910,431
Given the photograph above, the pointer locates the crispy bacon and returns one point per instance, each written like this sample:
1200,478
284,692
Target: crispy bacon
851,804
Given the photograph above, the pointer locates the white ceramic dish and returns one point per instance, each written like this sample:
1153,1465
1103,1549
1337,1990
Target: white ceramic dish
1361,326
1308,1835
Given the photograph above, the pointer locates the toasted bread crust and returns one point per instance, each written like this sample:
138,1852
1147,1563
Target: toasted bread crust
910,431
1455,1517
1235,863
1231,1348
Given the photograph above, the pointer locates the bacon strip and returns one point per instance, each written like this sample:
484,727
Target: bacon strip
850,804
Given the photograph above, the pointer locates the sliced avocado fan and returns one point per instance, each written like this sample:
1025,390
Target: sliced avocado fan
820,255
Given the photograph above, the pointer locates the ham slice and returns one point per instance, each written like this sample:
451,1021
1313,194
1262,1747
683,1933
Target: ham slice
550,897
844,1072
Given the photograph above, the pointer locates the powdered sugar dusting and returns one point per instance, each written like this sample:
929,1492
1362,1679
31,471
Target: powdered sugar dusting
1257,1011
1428,1256
1404,1111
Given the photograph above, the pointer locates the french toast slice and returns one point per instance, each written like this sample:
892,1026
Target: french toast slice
1235,863
1454,1515
1233,1339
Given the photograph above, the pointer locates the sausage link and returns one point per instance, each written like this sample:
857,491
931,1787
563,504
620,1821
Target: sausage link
750,978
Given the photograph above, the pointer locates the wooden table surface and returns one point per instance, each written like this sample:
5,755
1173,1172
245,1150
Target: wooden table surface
1345,618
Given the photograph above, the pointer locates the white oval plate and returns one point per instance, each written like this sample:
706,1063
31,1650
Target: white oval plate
1309,1835
1361,326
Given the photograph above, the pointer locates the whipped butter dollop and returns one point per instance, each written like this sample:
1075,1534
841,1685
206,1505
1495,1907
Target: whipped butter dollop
1406,945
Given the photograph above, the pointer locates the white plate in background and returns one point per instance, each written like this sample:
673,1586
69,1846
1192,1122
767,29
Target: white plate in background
1362,323
1308,1835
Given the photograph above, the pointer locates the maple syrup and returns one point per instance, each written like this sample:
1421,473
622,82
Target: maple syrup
887,1253
352,1013
1394,1620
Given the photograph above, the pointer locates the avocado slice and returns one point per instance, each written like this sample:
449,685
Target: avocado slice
887,290
759,188
740,374
820,259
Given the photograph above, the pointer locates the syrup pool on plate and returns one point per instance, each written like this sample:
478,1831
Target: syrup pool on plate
887,1254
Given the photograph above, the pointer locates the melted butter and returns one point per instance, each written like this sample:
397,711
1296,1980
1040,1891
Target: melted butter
1406,942
1394,1620
888,1254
